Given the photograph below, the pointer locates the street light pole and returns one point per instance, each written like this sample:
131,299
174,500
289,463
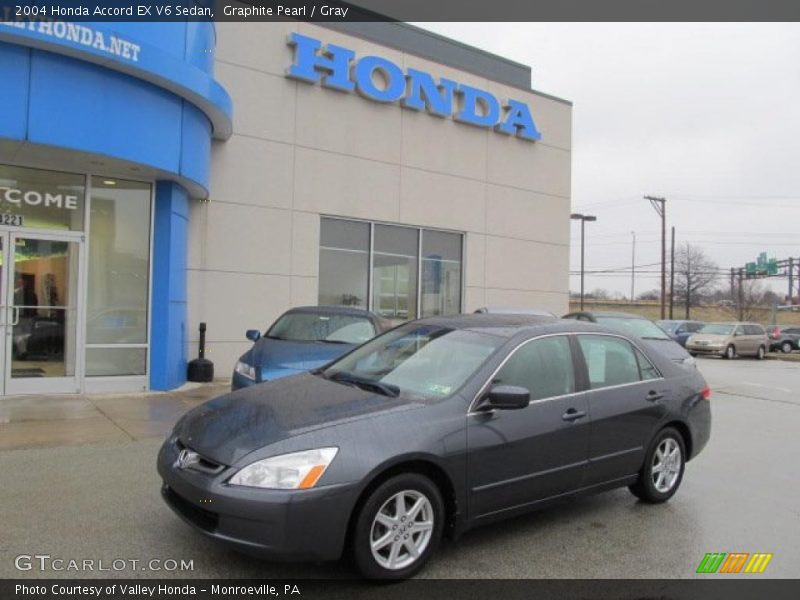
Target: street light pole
660,206
633,262
582,219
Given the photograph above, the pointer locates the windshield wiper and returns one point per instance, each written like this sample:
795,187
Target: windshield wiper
652,337
386,389
332,341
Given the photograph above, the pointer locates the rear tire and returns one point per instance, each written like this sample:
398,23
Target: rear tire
663,468
786,347
762,353
730,352
398,528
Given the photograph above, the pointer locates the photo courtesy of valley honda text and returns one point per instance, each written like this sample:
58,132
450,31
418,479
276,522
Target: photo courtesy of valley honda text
155,177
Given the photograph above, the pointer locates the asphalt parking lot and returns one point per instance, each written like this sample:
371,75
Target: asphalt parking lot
102,502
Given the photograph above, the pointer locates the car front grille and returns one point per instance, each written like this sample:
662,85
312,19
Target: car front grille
202,464
204,519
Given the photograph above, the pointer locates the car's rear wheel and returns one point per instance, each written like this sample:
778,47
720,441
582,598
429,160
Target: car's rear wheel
730,352
786,347
762,353
663,468
398,528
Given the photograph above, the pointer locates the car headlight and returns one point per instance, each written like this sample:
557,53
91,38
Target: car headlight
295,471
690,339
245,370
689,361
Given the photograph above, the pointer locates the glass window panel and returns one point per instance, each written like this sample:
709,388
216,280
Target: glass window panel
396,240
119,262
343,277
609,360
105,362
439,245
441,288
394,287
339,233
34,198
543,367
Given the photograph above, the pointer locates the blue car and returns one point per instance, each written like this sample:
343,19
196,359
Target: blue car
302,339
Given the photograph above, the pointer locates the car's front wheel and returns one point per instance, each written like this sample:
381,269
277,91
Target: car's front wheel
730,352
786,347
663,468
399,527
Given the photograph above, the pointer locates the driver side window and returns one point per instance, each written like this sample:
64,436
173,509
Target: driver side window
542,366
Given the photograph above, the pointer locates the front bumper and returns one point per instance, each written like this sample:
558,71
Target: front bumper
709,350
296,525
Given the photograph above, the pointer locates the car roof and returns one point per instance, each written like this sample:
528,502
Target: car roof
601,313
504,310
332,310
508,326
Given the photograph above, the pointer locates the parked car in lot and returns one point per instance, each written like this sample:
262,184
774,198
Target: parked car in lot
433,428
680,330
784,339
301,339
729,340
644,329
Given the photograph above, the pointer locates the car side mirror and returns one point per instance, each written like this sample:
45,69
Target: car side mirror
253,335
506,397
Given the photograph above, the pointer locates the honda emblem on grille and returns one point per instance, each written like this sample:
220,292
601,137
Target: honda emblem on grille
186,459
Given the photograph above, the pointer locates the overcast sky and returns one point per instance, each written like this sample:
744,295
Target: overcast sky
707,115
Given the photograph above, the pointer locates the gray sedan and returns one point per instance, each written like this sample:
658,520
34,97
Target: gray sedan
430,429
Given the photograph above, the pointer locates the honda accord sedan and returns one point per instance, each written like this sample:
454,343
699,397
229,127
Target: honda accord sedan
428,430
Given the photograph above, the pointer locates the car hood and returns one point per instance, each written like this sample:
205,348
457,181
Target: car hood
273,358
668,348
229,427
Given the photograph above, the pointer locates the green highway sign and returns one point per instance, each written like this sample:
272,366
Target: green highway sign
762,267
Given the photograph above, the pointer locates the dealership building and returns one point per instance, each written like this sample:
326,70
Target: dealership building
156,176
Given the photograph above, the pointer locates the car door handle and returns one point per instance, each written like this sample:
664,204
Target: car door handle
573,415
653,396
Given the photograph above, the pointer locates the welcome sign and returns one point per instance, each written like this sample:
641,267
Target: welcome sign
381,80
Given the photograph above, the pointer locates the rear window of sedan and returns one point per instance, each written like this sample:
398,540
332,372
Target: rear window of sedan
641,328
321,327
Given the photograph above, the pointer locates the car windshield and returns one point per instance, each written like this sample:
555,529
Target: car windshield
322,327
669,326
641,328
717,328
417,360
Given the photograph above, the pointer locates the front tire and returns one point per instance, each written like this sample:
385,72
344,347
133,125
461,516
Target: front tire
398,528
663,468
786,347
730,352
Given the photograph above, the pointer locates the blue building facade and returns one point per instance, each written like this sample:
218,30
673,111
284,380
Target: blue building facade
119,104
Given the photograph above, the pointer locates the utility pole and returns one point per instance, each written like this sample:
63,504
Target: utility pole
733,284
741,294
582,219
633,263
672,278
791,282
660,206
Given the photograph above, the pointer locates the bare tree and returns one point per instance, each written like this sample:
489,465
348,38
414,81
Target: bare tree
695,275
749,299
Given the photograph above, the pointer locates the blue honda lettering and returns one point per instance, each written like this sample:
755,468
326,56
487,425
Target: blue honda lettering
425,94
519,122
381,80
391,73
471,99
309,60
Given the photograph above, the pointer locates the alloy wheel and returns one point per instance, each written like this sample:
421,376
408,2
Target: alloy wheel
667,463
401,530
786,347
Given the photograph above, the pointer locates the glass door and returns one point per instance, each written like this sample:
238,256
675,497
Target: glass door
40,313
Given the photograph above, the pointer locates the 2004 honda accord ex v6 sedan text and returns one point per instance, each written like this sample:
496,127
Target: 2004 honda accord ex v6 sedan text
434,427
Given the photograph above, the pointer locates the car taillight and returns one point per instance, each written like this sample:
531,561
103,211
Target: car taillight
706,393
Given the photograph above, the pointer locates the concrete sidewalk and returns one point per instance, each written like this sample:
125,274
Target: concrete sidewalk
71,420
